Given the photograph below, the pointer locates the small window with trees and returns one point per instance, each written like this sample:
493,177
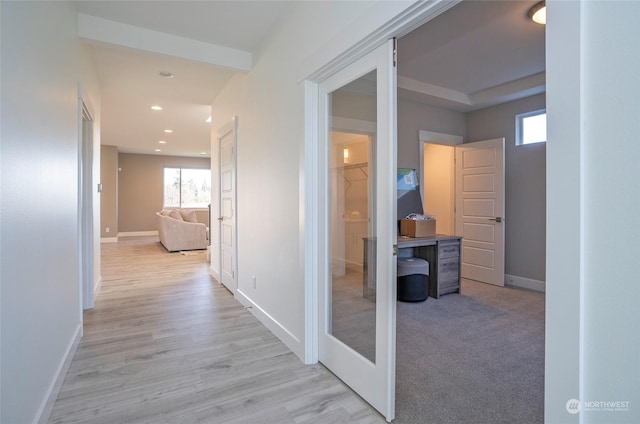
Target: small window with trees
531,127
187,188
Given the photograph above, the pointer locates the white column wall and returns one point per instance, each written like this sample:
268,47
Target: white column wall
592,343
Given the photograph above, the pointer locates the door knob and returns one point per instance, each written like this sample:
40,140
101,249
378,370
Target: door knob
221,218
496,219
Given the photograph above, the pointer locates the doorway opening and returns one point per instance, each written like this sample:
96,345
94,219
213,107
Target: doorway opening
469,72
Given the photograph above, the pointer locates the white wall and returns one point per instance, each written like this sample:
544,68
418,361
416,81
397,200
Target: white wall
592,343
269,102
41,68
413,117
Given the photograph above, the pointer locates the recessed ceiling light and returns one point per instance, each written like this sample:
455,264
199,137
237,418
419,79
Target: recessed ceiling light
158,150
156,107
208,119
166,74
203,153
168,131
162,142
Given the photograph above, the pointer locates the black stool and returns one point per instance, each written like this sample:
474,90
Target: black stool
413,279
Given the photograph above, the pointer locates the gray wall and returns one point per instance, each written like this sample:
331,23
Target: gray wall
413,117
525,168
525,186
140,185
42,63
109,195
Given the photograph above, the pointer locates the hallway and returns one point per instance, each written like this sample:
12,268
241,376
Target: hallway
165,343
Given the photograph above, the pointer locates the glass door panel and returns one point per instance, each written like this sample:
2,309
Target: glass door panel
353,301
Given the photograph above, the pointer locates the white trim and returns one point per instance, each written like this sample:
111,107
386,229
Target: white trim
339,123
109,240
439,138
97,287
44,412
524,283
137,233
214,274
564,305
279,330
105,31
308,220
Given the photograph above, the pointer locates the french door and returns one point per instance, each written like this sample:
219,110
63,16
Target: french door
358,228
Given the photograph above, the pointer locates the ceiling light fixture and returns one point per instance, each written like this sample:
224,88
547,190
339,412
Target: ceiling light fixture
165,74
203,153
162,142
168,131
208,119
156,107
158,150
538,13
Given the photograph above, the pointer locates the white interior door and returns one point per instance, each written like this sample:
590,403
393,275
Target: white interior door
356,337
480,209
227,204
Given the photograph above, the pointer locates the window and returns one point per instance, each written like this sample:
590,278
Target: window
187,187
531,127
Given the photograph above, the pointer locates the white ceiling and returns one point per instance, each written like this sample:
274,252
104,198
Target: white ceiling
242,25
474,55
129,75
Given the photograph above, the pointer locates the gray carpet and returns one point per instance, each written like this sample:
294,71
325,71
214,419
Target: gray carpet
475,357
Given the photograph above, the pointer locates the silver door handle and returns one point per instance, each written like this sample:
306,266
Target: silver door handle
221,218
496,219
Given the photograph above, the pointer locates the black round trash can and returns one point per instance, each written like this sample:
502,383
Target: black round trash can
413,279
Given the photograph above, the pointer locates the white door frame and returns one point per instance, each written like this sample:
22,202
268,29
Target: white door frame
374,381
425,136
86,235
413,17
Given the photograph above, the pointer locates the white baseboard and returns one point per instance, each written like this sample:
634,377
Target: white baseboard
97,287
109,240
44,412
291,341
215,274
524,283
138,233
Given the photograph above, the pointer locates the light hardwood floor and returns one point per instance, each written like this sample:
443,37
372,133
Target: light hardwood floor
166,343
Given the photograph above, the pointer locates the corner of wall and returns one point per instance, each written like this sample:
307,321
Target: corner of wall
278,329
46,407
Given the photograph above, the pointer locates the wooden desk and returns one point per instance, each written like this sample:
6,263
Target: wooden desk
441,251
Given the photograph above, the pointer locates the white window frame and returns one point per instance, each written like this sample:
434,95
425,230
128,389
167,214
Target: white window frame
519,126
181,168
